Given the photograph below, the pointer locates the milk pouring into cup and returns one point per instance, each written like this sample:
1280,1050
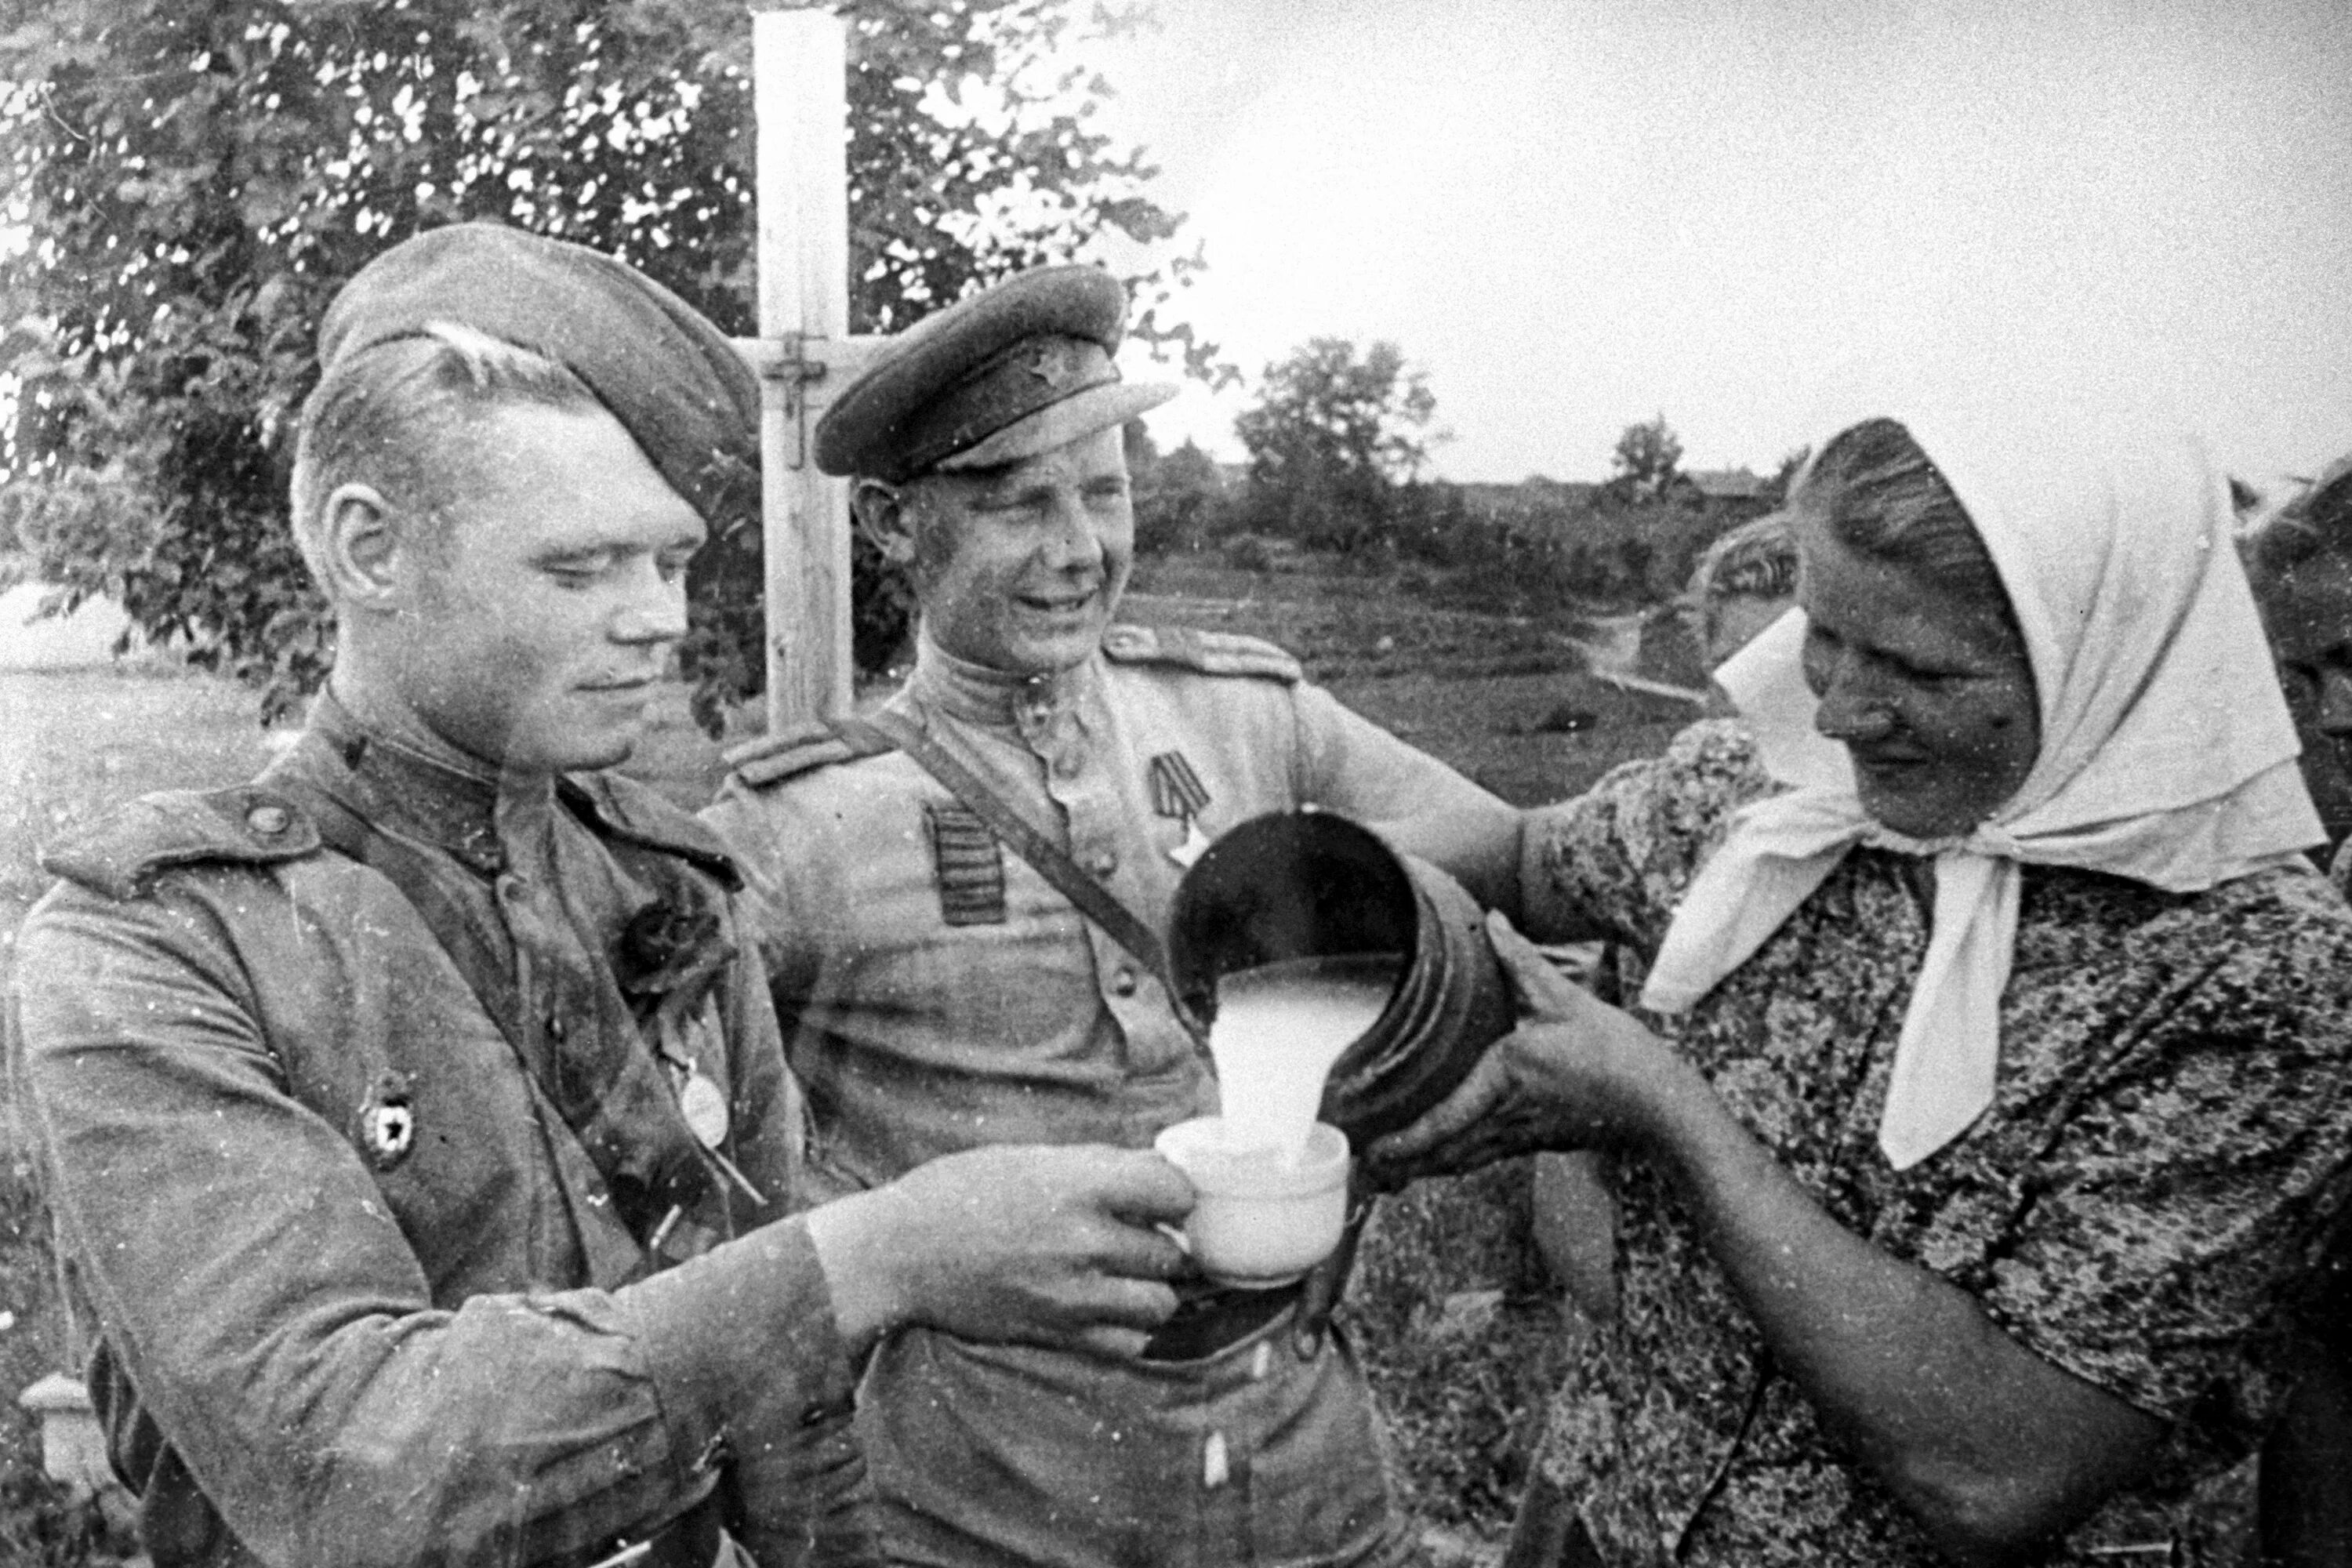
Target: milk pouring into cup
1277,1031
1346,988
1338,978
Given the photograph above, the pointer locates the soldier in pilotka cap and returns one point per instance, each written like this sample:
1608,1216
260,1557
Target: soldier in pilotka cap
415,1121
959,893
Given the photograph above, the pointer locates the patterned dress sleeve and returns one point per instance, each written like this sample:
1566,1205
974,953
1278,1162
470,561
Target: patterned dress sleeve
1619,856
2190,1186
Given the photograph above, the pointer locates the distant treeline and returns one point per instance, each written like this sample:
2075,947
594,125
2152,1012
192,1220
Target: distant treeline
1540,540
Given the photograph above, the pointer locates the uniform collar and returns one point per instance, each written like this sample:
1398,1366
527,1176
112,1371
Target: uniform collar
420,796
978,695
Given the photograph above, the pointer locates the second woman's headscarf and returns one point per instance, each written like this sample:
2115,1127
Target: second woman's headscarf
2167,752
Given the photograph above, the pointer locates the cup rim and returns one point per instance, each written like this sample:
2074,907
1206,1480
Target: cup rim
1322,1166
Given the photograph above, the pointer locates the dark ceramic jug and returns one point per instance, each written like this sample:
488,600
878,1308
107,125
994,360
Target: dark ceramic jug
1312,885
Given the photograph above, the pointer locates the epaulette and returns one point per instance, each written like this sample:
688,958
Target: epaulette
643,815
122,853
1211,653
794,750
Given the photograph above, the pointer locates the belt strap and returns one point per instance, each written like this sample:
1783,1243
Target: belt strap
884,729
1205,1324
487,972
484,968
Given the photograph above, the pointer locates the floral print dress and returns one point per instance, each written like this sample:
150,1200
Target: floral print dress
2172,1135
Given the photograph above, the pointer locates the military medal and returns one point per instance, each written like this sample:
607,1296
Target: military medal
1178,794
1195,845
701,1102
705,1109
388,1121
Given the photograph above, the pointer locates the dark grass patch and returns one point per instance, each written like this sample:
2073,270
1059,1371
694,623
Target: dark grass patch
1493,728
1463,1339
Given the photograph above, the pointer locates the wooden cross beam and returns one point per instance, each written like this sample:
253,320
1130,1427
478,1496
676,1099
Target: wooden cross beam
804,354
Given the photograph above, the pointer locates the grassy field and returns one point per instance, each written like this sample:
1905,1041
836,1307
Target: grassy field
1462,1332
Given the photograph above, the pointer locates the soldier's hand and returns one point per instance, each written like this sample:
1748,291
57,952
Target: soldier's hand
1047,1245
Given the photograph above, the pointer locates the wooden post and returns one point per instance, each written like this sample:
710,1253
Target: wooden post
798,62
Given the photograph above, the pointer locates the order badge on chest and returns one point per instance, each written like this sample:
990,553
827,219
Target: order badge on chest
1178,795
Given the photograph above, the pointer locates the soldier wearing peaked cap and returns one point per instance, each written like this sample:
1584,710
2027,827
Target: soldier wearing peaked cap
414,1118
940,992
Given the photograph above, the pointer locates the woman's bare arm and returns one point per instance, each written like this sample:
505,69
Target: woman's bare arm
1990,1448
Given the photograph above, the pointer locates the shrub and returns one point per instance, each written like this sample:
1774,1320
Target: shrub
1248,552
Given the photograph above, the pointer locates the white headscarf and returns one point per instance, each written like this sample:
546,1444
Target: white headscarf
2167,752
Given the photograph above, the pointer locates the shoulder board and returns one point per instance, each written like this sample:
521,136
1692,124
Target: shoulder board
122,853
643,815
1210,653
796,749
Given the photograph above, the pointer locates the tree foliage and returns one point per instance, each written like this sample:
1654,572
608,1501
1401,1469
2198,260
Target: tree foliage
1331,439
199,176
1648,461
1181,501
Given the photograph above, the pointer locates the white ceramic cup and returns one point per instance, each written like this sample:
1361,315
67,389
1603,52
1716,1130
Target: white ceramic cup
1258,1221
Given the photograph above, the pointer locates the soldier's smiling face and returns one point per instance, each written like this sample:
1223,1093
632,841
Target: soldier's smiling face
538,622
1020,568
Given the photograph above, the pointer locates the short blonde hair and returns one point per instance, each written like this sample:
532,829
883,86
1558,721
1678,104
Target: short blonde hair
404,417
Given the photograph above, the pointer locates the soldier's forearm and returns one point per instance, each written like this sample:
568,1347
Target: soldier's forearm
857,1243
1477,846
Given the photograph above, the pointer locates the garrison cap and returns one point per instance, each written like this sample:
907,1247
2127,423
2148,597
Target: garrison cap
1014,371
674,383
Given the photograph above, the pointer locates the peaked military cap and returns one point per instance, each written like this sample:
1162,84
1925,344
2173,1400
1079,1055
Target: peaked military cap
677,386
1014,371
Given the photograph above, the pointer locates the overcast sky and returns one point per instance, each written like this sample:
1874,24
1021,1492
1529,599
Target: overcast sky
1575,214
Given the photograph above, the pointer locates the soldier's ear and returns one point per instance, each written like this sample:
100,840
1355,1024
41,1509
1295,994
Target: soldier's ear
883,512
354,548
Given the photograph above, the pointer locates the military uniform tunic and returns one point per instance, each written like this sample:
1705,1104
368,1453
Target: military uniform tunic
938,994
362,1293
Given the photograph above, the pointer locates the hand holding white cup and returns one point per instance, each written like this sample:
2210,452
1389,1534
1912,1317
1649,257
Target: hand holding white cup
1260,1218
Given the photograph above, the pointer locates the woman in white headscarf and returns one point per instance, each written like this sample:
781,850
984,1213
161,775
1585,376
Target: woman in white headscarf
2009,1082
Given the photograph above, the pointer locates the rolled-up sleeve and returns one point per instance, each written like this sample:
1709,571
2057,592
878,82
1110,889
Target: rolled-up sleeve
279,1328
1348,764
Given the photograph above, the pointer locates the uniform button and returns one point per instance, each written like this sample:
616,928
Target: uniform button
269,821
1123,982
1067,765
1103,862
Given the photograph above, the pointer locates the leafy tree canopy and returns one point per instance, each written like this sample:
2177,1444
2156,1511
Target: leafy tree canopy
1648,461
1332,437
197,177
